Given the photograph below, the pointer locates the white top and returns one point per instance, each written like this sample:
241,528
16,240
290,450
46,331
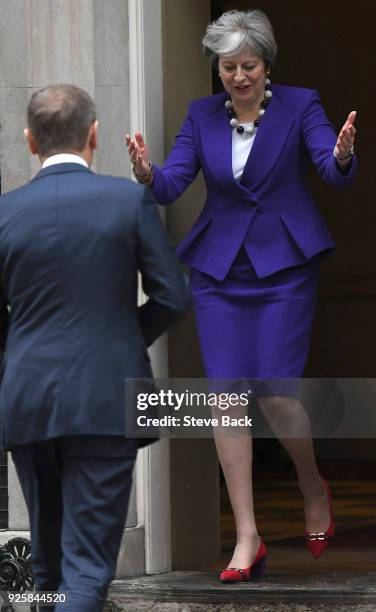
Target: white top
64,158
241,148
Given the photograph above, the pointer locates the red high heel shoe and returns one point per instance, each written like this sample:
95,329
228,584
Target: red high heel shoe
318,542
256,570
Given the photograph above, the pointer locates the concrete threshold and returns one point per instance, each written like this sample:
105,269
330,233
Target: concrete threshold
194,591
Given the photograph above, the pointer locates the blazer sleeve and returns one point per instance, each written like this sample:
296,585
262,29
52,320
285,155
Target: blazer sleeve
181,166
163,281
320,139
4,321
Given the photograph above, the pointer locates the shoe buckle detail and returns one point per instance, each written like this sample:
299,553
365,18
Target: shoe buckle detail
321,537
236,569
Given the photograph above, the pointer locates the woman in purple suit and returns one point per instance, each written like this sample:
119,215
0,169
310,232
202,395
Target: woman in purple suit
255,249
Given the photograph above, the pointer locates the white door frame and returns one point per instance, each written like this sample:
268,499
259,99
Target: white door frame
146,115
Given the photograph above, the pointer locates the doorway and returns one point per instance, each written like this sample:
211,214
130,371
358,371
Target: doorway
311,41
310,38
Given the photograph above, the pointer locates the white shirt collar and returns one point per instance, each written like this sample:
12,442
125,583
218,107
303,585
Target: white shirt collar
64,158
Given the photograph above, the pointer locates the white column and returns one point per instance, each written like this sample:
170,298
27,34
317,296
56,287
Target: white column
146,115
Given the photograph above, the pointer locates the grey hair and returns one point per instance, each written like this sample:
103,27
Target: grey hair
238,31
59,117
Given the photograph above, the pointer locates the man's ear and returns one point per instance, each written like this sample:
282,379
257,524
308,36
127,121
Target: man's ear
33,147
93,135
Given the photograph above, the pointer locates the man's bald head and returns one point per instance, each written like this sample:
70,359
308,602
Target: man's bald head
59,118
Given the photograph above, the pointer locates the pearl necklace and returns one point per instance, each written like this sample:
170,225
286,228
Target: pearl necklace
251,128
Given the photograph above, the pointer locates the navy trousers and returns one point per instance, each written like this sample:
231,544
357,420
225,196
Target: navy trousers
77,492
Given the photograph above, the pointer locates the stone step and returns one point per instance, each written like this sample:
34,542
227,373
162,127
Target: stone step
195,591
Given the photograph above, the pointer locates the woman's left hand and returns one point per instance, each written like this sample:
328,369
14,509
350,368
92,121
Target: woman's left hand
346,138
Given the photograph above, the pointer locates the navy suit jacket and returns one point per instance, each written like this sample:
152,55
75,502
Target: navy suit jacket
270,210
71,245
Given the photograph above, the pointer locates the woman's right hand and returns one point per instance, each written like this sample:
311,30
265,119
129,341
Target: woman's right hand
138,154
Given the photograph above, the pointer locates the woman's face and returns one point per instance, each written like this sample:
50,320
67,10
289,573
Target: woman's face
243,77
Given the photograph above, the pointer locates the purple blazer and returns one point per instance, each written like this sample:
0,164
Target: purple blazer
271,210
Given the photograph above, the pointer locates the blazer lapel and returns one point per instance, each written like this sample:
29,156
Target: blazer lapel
216,139
269,140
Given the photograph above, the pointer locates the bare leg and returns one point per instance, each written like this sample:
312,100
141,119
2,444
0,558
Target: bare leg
290,423
235,456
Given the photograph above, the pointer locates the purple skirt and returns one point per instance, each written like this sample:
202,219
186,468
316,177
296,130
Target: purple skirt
255,328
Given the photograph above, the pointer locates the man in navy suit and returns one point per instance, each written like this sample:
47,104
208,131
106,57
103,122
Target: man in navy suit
71,246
